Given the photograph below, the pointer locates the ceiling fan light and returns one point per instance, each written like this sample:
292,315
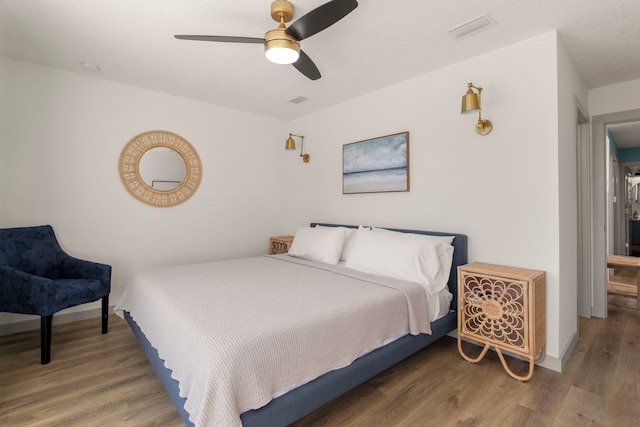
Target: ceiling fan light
282,55
280,47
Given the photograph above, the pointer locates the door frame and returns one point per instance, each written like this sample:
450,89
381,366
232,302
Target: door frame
585,279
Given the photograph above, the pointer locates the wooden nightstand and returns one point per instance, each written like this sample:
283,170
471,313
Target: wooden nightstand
502,307
280,244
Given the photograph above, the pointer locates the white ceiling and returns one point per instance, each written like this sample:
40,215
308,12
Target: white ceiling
626,135
378,44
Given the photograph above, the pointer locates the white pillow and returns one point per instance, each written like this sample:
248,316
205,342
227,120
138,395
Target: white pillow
401,257
321,244
444,249
446,239
350,238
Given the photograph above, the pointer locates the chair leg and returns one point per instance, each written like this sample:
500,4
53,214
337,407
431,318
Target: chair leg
105,314
45,338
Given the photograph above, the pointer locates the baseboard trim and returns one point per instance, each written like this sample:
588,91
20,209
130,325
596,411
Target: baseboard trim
32,323
568,351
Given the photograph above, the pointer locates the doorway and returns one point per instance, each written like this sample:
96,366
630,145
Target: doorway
600,227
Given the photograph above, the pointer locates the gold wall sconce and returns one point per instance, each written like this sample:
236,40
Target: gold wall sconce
471,102
291,145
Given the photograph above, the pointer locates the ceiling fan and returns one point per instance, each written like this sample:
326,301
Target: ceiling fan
282,44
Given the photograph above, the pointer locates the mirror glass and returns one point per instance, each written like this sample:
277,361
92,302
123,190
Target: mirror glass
633,187
162,168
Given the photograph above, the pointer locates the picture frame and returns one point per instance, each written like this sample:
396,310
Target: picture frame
377,165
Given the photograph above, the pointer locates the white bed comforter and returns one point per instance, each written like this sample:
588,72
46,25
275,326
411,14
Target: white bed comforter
238,333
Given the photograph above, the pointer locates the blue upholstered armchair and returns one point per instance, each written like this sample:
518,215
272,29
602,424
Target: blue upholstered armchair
38,277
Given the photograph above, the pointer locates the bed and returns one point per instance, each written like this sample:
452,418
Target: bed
388,344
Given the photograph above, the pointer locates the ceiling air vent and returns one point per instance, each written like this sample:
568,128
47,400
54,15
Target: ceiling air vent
471,27
298,100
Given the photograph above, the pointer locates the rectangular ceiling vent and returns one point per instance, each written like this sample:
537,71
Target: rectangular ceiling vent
471,27
298,100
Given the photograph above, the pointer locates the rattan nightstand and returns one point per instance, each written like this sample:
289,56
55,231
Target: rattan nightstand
280,244
502,307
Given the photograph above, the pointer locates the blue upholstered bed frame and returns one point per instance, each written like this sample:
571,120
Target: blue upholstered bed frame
301,401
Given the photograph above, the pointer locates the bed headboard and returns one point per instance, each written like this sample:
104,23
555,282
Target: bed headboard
459,253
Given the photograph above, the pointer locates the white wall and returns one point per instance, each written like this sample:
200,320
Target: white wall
610,99
60,148
572,95
501,189
4,140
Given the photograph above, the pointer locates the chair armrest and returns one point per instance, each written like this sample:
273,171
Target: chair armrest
22,292
75,268
9,275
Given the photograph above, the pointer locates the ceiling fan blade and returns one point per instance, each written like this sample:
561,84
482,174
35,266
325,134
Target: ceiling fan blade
305,65
225,39
320,18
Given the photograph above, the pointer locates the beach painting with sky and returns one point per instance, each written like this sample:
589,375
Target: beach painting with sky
376,165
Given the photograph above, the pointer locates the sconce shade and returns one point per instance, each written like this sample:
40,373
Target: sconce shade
290,144
470,102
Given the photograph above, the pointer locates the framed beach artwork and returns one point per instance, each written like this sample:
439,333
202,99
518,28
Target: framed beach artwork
376,165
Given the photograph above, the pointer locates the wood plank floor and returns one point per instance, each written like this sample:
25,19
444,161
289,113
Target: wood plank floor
105,380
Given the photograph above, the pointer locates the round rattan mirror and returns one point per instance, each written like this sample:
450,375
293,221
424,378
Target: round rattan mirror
170,181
